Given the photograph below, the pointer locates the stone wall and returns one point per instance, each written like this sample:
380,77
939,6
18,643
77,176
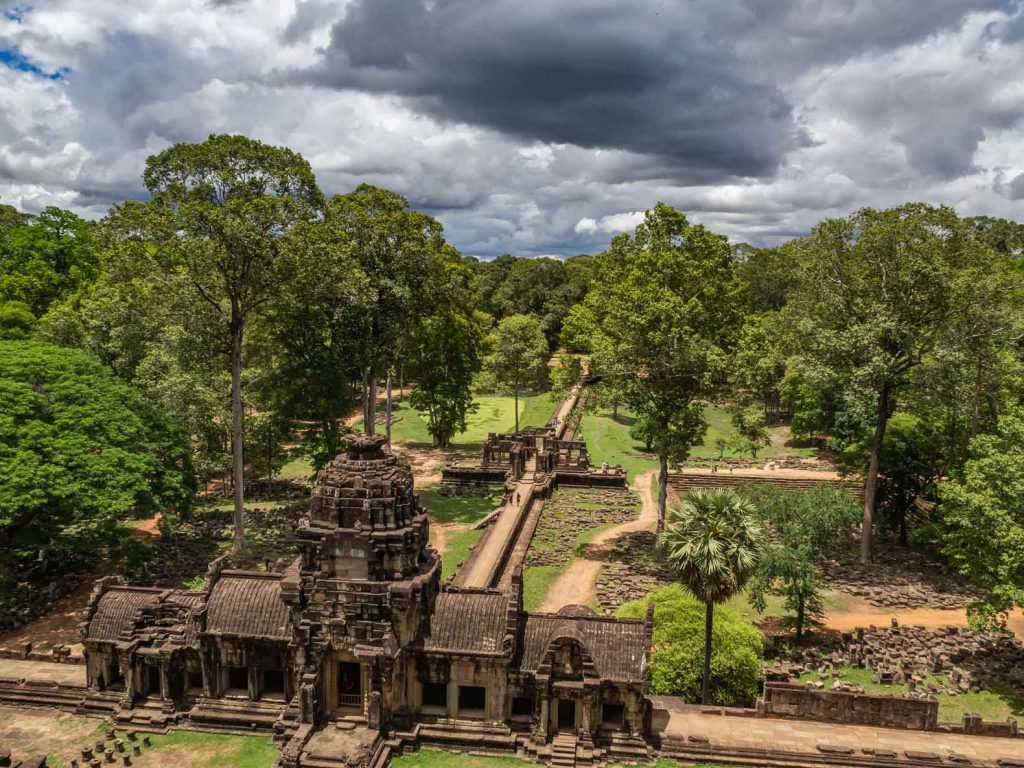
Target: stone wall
798,700
471,481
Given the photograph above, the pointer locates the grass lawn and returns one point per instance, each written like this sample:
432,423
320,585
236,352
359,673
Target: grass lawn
215,750
299,468
996,705
435,758
537,581
608,440
459,544
495,413
456,509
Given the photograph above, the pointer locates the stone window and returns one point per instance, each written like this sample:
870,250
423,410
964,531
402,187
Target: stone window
435,695
238,680
472,700
522,706
273,683
611,715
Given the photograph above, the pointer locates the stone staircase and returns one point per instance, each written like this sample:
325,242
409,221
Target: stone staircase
235,715
149,715
563,750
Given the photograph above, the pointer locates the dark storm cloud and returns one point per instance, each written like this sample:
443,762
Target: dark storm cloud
652,80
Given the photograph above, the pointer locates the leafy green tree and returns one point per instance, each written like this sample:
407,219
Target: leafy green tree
10,219
16,321
80,452
395,247
877,293
310,338
46,259
983,514
914,459
660,320
520,355
218,217
565,375
758,363
714,542
806,527
737,649
751,430
444,354
768,275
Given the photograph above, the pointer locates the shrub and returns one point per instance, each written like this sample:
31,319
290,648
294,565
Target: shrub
678,653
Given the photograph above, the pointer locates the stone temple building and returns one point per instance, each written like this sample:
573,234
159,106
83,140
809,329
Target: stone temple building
357,636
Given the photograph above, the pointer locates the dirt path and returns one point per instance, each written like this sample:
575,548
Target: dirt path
578,584
848,620
439,535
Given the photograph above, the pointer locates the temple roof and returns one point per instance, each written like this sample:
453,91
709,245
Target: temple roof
468,621
248,604
117,609
616,646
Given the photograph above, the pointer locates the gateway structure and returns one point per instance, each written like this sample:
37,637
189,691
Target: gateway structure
356,646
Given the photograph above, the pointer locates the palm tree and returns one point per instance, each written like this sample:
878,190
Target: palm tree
714,542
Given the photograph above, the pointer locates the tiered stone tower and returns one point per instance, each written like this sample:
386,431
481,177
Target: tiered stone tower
365,585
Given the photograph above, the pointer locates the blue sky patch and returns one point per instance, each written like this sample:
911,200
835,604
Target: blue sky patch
15,59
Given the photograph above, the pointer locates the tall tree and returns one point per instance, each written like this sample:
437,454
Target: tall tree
983,512
520,355
444,350
876,294
805,527
217,216
714,542
659,320
46,259
395,248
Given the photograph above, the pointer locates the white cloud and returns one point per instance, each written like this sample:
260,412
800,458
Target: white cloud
936,116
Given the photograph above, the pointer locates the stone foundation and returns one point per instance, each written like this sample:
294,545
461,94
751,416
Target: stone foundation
798,700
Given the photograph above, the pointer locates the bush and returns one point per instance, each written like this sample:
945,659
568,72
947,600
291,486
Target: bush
677,657
925,536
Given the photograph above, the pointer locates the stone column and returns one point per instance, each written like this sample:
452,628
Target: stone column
544,716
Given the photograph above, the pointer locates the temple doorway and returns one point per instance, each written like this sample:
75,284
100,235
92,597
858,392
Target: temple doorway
566,715
350,685
152,680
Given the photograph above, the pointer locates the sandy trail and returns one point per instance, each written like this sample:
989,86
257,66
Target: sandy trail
578,584
847,620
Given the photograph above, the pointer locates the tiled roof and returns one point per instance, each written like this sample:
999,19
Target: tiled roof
117,608
468,621
248,604
617,647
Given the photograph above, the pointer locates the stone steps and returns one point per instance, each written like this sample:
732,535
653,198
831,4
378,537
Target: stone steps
247,716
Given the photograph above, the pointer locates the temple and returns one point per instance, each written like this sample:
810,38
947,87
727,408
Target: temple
356,648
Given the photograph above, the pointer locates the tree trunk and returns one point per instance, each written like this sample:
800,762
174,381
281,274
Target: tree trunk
270,455
871,485
902,512
709,621
401,381
615,410
662,499
799,619
388,417
237,459
516,388
370,406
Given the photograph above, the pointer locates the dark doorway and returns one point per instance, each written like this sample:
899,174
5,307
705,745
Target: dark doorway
350,685
472,699
566,715
153,681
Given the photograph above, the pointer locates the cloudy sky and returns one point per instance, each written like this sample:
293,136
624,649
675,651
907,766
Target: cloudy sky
534,127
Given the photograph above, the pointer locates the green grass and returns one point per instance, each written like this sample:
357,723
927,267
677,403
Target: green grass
537,581
608,440
992,704
218,750
495,413
299,468
459,544
457,509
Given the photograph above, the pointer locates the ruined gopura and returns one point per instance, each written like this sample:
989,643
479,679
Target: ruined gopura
358,634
